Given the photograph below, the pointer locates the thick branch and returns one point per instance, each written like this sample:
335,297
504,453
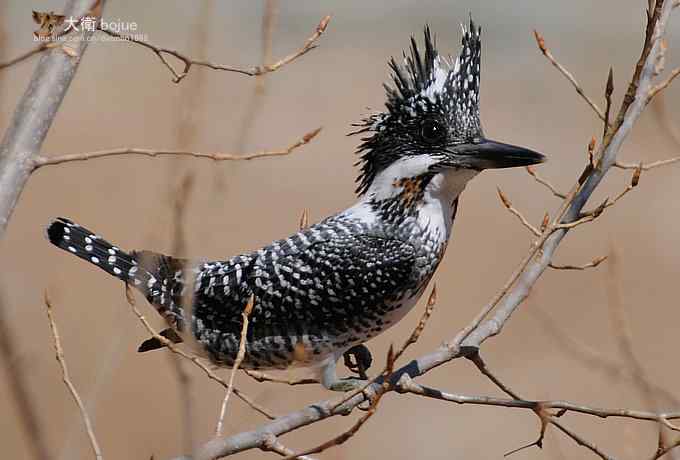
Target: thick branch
34,115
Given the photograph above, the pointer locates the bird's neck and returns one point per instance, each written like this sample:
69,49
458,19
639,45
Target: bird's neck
424,203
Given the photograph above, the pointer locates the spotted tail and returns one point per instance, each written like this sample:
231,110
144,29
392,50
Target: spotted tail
85,244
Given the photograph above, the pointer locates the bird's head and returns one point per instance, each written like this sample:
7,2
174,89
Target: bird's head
432,122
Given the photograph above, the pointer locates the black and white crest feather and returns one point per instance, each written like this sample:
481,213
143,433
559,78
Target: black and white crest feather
424,87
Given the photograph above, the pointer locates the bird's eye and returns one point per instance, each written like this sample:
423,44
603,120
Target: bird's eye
432,131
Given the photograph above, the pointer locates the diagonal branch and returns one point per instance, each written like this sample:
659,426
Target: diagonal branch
540,41
34,115
67,380
245,314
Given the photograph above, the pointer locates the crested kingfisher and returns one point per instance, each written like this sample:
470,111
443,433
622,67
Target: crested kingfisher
339,282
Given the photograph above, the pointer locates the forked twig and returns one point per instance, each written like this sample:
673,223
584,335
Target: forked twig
189,62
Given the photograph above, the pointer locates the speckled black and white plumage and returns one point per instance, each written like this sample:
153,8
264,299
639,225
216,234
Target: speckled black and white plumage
349,277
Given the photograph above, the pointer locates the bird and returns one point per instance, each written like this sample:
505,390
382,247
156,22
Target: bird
337,283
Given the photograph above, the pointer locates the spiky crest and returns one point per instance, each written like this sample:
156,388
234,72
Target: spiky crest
424,87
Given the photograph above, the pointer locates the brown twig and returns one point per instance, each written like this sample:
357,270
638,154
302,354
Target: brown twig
518,214
646,166
194,359
189,62
45,161
541,413
546,52
408,385
594,263
664,84
27,54
245,314
545,182
67,380
272,444
264,377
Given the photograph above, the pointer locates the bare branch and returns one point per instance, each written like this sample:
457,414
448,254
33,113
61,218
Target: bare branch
45,161
664,84
539,410
34,115
545,182
273,444
189,62
594,263
27,54
264,377
408,385
646,166
345,436
67,380
514,211
546,52
245,314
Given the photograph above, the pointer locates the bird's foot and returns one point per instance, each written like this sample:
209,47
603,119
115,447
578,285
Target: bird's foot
362,360
347,384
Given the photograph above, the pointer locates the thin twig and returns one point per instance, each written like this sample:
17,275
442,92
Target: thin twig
594,263
245,314
194,359
545,182
272,444
646,166
664,84
189,62
546,52
408,385
44,161
514,211
264,377
540,412
27,54
67,380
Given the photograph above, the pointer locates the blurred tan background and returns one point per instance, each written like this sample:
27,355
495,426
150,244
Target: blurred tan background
123,96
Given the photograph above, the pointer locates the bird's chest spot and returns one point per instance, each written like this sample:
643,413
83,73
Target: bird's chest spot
412,191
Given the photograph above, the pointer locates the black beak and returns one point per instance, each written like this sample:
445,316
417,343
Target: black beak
488,154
